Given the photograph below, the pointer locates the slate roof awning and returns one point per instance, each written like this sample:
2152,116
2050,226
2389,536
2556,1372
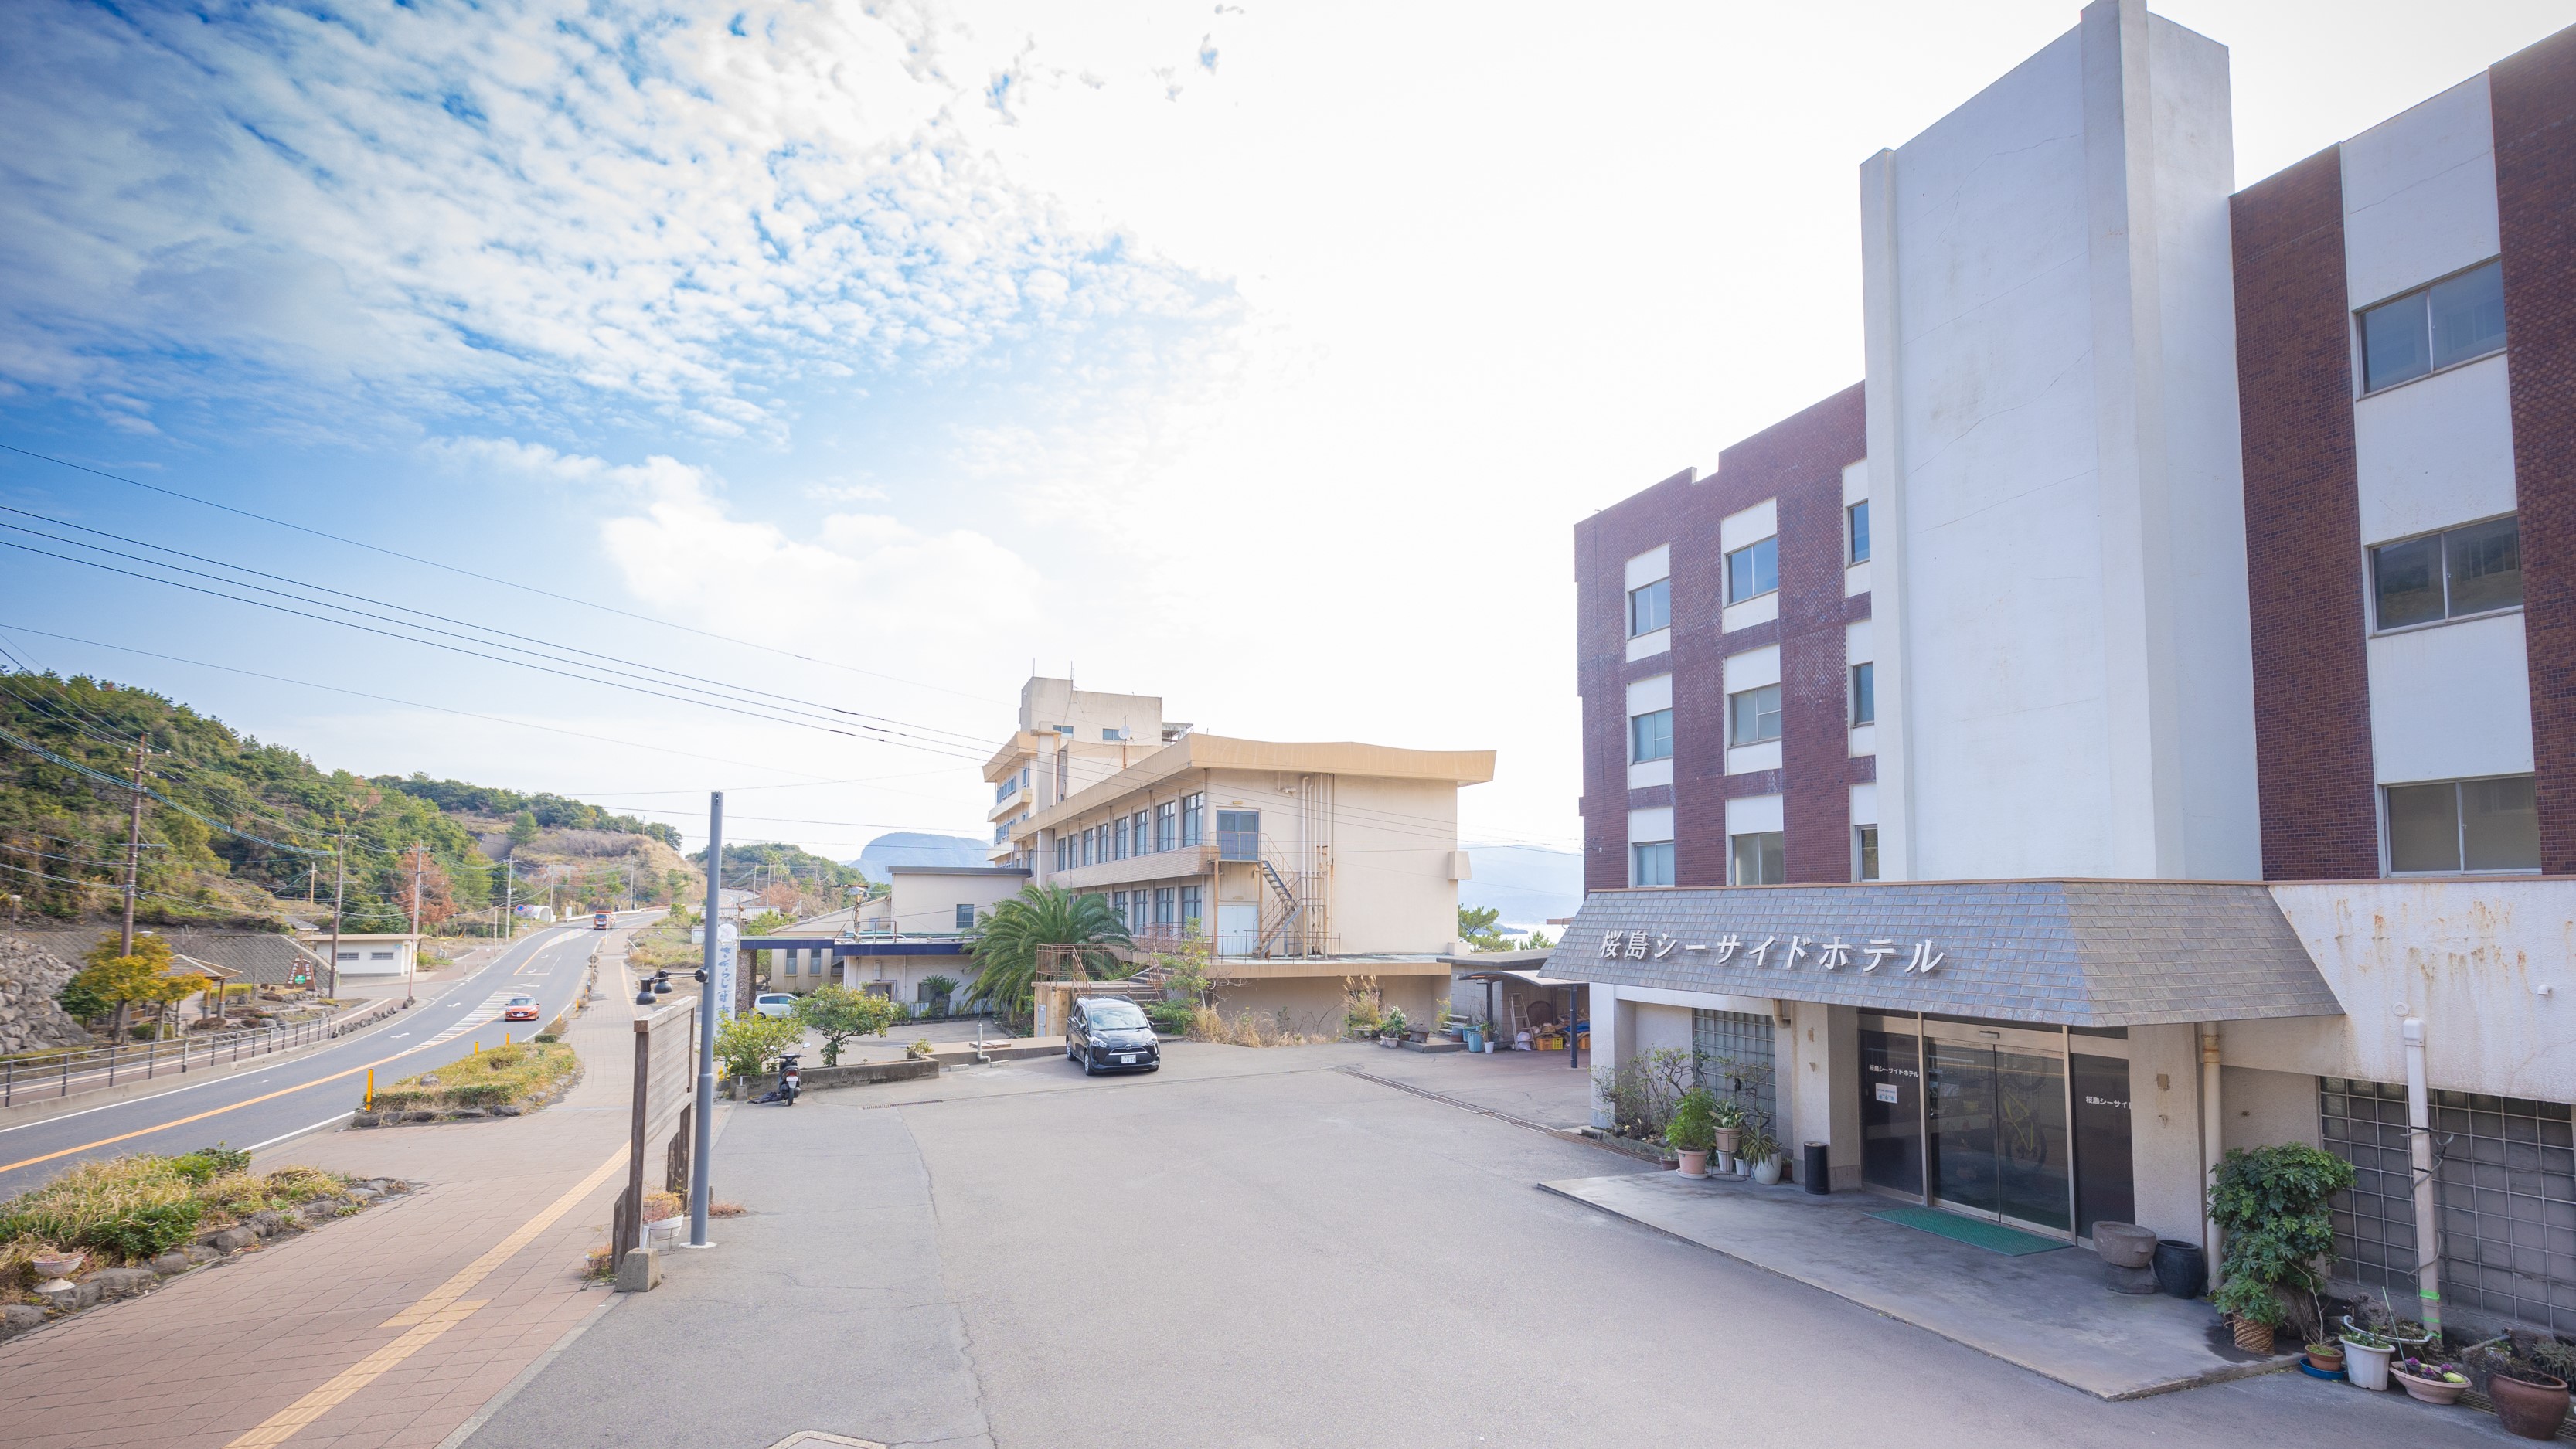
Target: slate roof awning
2058,952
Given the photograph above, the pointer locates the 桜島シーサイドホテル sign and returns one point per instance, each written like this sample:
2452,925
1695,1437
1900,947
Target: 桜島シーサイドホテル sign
1774,953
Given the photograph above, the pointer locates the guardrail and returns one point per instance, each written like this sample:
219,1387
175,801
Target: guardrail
98,1068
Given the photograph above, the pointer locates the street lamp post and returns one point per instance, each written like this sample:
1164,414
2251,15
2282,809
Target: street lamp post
703,1120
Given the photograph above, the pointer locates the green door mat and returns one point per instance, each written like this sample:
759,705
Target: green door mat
1994,1237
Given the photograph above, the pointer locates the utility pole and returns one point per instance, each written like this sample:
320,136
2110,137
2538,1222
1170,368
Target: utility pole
702,1123
134,844
418,854
509,899
339,894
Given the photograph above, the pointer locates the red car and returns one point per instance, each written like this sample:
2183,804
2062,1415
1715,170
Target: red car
520,1008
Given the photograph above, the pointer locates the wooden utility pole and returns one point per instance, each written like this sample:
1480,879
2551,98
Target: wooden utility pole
419,853
134,846
339,894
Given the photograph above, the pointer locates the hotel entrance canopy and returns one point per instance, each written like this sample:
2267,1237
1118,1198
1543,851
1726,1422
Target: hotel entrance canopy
2097,953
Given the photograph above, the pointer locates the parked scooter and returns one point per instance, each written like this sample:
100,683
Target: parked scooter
789,1082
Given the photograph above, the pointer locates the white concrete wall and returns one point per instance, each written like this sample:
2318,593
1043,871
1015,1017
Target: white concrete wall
2419,194
2267,1108
2471,958
2164,1128
2451,702
2434,453
2064,663
928,903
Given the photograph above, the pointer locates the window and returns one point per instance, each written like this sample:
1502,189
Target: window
1140,828
1650,863
1753,570
1167,824
1761,859
1650,608
1163,899
1238,835
1193,818
2464,825
380,955
1115,736
348,955
1120,848
1753,715
1118,908
1864,694
1193,908
2472,570
1858,516
1865,852
965,915
2424,331
1650,736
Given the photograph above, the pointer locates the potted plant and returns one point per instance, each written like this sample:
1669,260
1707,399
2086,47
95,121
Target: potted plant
2431,1383
1763,1151
2366,1356
1728,1116
2526,1376
1693,1130
2272,1204
1474,1032
1390,1032
2326,1356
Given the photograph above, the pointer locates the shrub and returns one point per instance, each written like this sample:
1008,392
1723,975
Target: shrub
747,1044
2271,1202
1643,1090
207,1163
126,1208
1170,1018
1694,1124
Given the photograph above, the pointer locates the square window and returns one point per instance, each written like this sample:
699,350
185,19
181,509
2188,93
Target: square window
2423,828
1753,715
2500,823
1650,736
2468,315
1858,530
1760,859
2394,345
1650,863
1238,835
1864,694
2432,327
2484,561
1867,852
1753,570
2407,578
1650,608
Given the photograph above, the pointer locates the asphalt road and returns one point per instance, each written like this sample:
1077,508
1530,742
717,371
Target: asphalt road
1251,1250
316,1088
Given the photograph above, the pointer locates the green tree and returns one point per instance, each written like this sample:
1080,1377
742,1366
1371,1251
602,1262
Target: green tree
937,991
523,828
112,982
1006,954
836,1014
1477,928
748,1044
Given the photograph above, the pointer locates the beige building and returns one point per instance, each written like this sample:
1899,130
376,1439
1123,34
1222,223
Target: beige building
1301,864
937,900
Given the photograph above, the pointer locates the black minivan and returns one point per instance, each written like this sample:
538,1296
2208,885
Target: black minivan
1110,1034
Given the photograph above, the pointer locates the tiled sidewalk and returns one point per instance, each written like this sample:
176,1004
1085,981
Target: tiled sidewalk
216,1355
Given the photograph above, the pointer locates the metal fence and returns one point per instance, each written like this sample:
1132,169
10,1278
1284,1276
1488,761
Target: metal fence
63,1074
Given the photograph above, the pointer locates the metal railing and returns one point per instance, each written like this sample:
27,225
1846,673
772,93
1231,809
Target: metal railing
62,1074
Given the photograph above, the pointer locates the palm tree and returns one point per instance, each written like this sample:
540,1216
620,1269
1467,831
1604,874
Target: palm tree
1006,954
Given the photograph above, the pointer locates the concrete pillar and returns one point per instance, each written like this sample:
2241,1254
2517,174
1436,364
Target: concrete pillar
2165,1162
2213,1138
1614,1034
1824,1104
1041,859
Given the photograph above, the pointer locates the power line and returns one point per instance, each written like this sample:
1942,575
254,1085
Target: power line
487,578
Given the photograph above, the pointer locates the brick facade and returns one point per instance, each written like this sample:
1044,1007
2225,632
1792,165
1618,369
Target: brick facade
2312,743
1800,462
2534,98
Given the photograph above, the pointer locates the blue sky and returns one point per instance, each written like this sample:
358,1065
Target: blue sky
1262,357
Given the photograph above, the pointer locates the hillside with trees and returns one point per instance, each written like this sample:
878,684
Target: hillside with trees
788,879
244,832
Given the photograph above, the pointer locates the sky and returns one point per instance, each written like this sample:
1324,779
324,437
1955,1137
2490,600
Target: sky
861,359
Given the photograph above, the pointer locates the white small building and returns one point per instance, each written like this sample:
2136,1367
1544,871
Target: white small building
367,955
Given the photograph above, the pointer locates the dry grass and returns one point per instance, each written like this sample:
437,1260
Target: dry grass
504,1076
131,1209
1250,1029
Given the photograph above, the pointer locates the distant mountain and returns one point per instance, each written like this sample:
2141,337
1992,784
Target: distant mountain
1529,885
911,847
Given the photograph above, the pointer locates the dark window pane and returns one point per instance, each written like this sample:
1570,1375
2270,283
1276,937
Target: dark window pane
2408,579
1869,852
1650,736
1238,834
2423,827
1754,716
2393,344
2468,315
2486,566
1864,694
1753,570
1860,531
1761,859
1652,863
1650,608
2500,823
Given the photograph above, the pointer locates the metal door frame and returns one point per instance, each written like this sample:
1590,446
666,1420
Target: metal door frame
2033,1040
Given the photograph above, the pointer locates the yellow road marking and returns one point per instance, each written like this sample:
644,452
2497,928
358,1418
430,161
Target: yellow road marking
442,1309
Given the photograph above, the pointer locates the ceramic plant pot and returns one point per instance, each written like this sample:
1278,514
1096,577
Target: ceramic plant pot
1694,1164
1767,1171
1727,1138
2330,1362
2367,1367
2531,1408
2430,1391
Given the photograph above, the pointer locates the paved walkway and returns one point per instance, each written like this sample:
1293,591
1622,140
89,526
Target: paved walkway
391,1328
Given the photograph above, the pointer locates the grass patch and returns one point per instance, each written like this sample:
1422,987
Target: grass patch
510,1076
1250,1029
133,1209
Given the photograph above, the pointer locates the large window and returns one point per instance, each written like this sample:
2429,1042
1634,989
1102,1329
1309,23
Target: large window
1865,852
1759,859
1857,526
1167,824
2472,570
1118,846
1650,608
1753,570
1193,818
1650,736
1164,919
1238,835
1864,694
2448,322
1193,908
1650,863
1753,715
2464,825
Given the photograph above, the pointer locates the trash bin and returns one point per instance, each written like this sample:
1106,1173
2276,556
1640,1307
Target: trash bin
1814,1173
2181,1269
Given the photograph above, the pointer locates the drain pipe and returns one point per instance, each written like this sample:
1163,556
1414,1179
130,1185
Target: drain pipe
2213,1128
2419,1150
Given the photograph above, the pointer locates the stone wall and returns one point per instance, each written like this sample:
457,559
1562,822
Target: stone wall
29,977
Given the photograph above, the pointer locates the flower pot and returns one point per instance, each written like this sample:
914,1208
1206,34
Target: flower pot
1767,1171
2532,1408
2124,1245
2330,1361
1719,1164
1743,1167
57,1265
2430,1391
1489,1046
2251,1336
1694,1164
2368,1367
1390,1042
1727,1138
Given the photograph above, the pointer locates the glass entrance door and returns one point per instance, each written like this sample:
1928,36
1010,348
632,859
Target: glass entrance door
1995,1138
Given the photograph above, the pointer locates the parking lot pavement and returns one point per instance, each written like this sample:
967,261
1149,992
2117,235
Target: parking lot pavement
1255,1248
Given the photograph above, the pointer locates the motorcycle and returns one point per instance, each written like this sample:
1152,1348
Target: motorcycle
789,1082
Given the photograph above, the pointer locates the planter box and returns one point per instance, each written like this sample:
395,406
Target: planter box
815,1079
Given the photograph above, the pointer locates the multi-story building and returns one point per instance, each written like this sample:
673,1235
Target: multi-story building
1301,864
2141,715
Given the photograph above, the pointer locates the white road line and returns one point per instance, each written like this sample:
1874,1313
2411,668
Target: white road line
300,1131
